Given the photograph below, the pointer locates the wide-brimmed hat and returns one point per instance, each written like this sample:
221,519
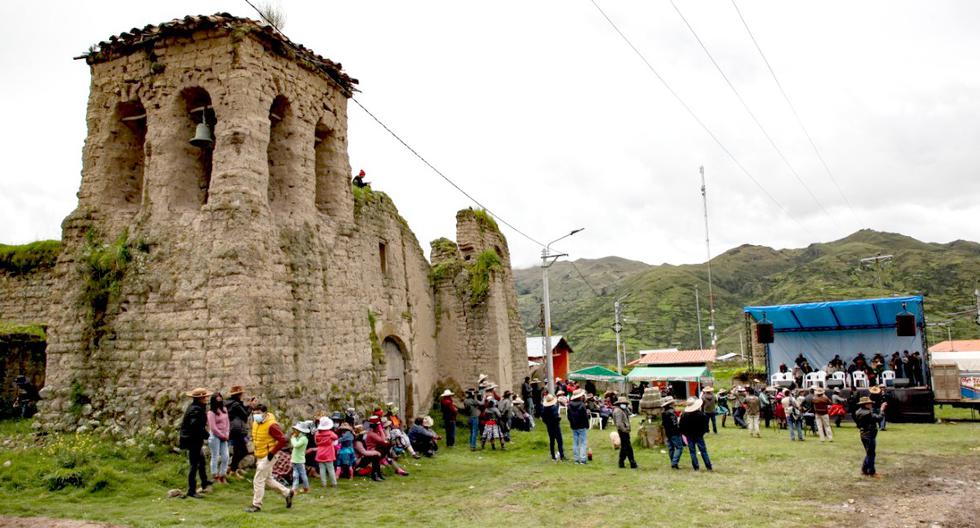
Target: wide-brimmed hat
722,392
560,393
535,380
445,393
622,399
344,426
236,389
692,404
742,389
337,416
875,390
325,424
549,400
427,421
374,420
578,393
302,427
358,429
668,400
481,378
865,401
492,386
518,401
708,389
199,392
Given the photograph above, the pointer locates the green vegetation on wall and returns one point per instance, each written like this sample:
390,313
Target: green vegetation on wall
29,257
21,332
481,270
483,219
104,266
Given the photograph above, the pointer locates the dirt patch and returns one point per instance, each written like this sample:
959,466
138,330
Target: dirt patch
34,522
922,491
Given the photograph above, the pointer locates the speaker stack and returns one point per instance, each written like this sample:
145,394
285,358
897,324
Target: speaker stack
905,323
764,333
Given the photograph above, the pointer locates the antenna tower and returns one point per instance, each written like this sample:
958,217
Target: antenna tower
707,245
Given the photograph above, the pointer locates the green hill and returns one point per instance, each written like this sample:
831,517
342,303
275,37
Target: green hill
660,311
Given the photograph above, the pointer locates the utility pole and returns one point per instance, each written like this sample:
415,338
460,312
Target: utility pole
697,309
741,344
547,260
877,261
618,327
976,293
707,245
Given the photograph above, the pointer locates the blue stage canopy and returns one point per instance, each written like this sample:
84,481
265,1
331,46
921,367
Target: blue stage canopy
860,314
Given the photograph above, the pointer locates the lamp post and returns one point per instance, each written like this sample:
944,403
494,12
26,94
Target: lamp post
547,259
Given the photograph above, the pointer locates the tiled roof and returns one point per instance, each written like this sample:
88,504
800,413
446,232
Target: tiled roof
677,357
135,39
957,345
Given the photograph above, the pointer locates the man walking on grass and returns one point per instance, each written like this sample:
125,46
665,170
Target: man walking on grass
672,432
193,432
621,418
821,412
867,423
753,410
269,440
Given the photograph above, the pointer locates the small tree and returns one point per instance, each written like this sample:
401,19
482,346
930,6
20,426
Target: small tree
273,13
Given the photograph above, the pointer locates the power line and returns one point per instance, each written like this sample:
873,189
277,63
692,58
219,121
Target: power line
751,113
407,146
586,281
696,118
792,108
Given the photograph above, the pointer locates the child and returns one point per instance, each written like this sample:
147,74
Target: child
299,442
345,456
491,431
325,452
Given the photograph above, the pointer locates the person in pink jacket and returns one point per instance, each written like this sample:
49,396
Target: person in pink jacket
326,453
220,428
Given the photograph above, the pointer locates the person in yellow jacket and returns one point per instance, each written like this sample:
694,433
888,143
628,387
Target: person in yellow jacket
268,439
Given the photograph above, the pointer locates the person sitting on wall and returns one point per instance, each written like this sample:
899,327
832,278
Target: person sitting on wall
359,180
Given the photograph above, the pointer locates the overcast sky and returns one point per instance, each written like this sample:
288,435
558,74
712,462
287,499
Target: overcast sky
541,111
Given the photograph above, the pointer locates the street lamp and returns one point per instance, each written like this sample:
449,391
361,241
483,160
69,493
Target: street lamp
547,259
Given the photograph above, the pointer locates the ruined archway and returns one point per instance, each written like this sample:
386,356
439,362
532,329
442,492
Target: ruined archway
396,374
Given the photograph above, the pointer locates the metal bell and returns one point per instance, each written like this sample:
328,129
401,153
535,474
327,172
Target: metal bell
202,137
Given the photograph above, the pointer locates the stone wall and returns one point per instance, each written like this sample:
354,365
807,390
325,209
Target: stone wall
27,297
251,263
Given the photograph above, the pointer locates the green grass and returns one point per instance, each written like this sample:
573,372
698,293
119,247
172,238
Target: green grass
28,257
783,482
17,331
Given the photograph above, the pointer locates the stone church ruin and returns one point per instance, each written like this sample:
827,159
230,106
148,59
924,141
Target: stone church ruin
245,256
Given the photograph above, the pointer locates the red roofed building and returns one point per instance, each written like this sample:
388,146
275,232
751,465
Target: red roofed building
675,357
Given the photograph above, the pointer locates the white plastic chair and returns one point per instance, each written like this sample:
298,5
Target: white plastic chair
781,377
859,380
595,420
840,375
888,377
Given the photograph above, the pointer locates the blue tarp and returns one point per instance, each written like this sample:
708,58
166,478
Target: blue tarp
822,330
860,314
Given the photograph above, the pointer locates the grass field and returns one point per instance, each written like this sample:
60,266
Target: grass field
768,481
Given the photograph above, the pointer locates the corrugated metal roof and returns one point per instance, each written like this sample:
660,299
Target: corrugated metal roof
535,345
957,345
677,357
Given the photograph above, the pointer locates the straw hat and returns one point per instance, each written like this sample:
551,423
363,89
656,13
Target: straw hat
326,424
622,399
692,404
875,390
578,393
302,427
427,421
549,400
344,427
819,391
667,400
481,378
358,429
865,401
199,392
708,389
236,389
445,393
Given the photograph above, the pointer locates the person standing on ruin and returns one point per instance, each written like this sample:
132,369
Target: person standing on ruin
238,413
621,417
193,433
268,438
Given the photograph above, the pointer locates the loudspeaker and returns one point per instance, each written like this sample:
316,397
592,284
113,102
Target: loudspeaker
764,333
835,384
905,325
900,383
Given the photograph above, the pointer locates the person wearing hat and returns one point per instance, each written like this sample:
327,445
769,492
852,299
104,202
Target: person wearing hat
578,420
867,423
193,433
481,386
877,394
552,421
794,415
821,414
238,413
366,456
710,406
722,407
753,410
471,408
672,432
506,407
359,180
621,417
422,437
537,393
449,413
491,427
267,440
326,453
526,389
298,442
693,425
346,458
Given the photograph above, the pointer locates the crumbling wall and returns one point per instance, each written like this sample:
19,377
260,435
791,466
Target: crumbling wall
27,297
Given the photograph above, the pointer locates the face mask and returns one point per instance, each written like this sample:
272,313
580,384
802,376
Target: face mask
258,418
